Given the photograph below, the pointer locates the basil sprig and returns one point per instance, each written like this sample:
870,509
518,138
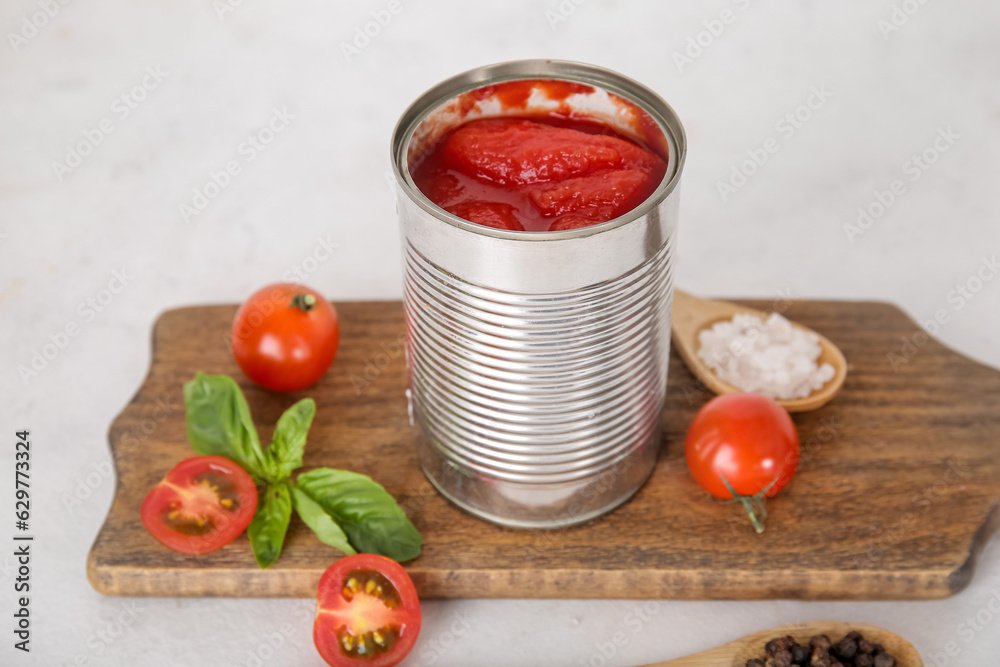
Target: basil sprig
373,521
270,523
346,510
218,422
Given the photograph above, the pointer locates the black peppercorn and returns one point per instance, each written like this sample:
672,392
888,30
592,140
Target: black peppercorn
786,643
820,641
780,659
884,660
820,658
779,644
851,651
846,648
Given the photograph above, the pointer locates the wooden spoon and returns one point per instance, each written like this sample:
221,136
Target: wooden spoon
692,314
736,653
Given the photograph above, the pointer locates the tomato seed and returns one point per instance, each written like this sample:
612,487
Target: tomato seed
368,644
372,583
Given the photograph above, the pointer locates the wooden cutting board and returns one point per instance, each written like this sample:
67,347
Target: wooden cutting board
896,493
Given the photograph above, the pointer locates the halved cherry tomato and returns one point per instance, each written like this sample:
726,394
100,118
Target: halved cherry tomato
201,505
367,612
285,337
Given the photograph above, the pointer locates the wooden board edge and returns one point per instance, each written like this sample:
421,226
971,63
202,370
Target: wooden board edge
917,328
101,578
540,585
154,336
962,576
848,585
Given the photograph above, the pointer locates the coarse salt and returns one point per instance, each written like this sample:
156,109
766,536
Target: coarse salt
769,357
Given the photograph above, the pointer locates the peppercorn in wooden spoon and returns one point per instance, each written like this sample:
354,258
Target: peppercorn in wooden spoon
768,644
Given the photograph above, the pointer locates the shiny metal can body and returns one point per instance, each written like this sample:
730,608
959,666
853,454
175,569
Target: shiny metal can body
538,360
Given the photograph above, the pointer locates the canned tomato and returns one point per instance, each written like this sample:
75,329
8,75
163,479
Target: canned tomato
538,359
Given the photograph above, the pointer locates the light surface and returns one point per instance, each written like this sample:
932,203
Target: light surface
323,181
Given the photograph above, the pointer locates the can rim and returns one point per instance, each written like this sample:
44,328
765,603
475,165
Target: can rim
515,70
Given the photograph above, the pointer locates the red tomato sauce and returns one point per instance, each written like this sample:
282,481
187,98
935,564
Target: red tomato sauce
538,173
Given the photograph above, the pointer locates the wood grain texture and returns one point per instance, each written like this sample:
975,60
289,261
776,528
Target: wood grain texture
896,493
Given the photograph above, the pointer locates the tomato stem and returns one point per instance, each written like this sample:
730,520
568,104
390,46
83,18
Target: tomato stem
754,505
304,302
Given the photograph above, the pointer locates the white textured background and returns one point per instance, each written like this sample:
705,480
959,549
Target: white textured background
324,176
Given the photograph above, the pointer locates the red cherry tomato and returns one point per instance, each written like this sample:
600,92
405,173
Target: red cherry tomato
367,613
748,439
285,337
201,505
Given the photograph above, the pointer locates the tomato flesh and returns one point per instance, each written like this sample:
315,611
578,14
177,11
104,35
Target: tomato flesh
285,337
746,438
543,173
201,505
367,612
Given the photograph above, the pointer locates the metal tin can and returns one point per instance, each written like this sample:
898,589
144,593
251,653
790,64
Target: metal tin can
538,360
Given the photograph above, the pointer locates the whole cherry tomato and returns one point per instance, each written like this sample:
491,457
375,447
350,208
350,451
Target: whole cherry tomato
285,337
742,446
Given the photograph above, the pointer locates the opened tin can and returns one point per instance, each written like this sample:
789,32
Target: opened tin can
538,360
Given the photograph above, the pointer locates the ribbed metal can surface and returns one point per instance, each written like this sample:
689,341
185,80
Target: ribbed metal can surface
538,360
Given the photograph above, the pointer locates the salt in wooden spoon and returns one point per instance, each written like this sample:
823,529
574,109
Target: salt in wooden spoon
692,314
736,653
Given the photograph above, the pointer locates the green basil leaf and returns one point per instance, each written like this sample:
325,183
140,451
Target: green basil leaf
326,529
368,514
218,422
270,523
285,453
